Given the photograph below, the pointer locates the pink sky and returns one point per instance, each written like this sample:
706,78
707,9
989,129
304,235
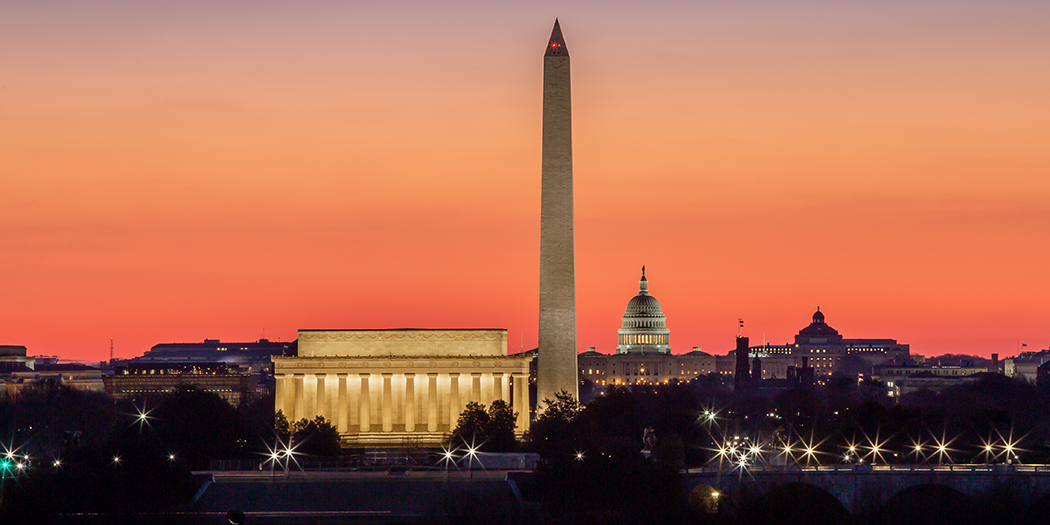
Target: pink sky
172,171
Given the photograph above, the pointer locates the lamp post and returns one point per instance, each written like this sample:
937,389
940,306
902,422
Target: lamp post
472,453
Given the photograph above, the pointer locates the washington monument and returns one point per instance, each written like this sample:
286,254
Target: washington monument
557,349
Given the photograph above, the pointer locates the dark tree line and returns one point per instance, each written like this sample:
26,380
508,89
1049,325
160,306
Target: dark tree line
593,469
85,452
490,430
129,457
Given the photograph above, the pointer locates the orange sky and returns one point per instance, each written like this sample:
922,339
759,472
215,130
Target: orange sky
172,171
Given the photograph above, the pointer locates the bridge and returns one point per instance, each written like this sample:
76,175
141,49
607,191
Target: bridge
858,489
770,495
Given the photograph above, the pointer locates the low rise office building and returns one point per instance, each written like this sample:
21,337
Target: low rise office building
146,381
254,358
73,375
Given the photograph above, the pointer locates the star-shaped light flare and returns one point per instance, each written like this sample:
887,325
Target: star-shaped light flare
448,456
942,448
708,416
471,453
142,417
1010,448
917,448
809,450
282,455
876,447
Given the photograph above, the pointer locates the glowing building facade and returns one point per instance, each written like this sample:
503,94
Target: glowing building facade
389,387
644,327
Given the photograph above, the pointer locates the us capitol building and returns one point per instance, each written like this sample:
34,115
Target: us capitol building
643,353
644,328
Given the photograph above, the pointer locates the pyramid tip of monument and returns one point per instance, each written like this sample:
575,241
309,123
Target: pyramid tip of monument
556,45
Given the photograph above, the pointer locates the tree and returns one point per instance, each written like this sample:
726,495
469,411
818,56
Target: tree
315,437
490,430
281,426
563,408
500,429
591,463
553,435
471,425
198,425
46,414
257,422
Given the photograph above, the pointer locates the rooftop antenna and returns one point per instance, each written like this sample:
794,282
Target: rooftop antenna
741,327
110,349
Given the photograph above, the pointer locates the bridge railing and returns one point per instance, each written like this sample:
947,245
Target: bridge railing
866,469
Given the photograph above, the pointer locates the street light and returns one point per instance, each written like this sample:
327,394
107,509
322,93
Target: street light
142,416
472,453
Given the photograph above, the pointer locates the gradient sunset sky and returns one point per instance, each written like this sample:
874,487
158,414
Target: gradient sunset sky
175,171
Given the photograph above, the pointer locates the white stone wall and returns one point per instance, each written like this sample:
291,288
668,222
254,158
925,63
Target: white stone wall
402,343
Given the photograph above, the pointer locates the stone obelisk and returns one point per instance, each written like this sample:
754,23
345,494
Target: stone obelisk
557,349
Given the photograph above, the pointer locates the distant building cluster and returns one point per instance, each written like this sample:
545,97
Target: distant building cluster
918,375
643,355
13,358
137,381
234,371
1029,366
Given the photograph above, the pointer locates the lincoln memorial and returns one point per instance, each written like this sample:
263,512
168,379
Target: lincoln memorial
395,386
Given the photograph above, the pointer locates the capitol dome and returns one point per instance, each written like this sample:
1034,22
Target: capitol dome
644,328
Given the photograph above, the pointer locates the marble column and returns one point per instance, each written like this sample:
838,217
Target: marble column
497,386
364,414
475,387
453,401
506,389
521,402
289,396
432,403
280,390
299,408
322,397
342,417
388,405
410,402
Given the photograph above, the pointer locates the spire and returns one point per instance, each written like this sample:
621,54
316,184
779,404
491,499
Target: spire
643,284
556,46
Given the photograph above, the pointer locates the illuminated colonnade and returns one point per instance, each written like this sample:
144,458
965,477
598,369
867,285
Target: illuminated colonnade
386,386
